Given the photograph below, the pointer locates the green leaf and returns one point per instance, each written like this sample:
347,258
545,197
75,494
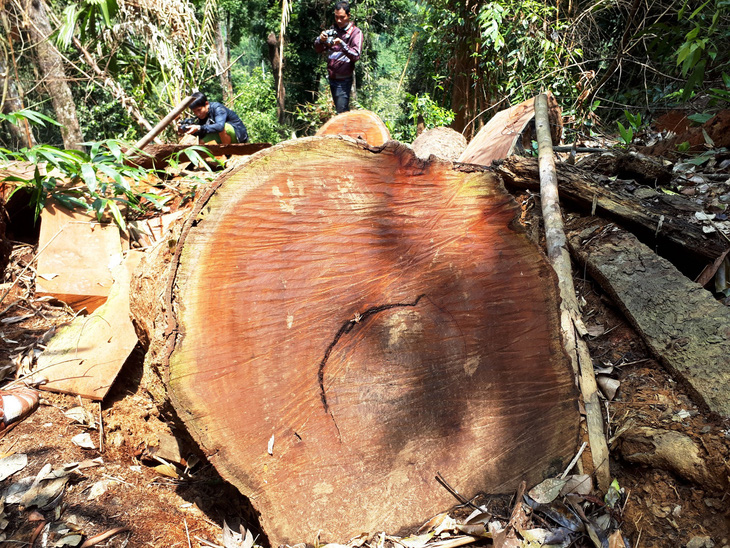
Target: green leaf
696,78
116,214
65,32
700,117
88,173
627,134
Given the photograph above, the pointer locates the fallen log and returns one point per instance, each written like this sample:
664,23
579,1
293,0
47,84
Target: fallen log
358,124
442,142
663,225
682,324
335,338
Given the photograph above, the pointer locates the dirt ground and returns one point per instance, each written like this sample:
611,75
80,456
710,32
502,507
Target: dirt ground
124,488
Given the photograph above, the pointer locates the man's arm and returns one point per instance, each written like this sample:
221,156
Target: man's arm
320,43
353,46
219,116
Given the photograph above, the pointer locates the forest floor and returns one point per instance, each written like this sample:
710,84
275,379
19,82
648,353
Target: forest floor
119,488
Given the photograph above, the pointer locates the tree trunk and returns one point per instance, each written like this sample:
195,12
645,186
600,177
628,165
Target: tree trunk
10,97
51,65
221,46
275,60
342,323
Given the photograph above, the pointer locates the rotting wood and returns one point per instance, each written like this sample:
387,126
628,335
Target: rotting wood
157,156
657,222
571,321
358,124
362,329
682,324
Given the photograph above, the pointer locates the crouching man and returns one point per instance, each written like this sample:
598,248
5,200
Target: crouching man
216,123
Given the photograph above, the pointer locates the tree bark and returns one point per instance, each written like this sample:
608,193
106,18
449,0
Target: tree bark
682,324
51,65
336,334
221,46
10,97
571,319
275,60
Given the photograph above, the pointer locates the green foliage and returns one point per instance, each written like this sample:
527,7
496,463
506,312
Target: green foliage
99,179
512,46
627,133
255,103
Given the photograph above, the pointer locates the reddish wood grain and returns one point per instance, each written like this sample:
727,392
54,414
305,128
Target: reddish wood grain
382,319
358,124
498,139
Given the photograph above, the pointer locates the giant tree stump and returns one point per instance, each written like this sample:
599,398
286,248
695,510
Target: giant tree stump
351,321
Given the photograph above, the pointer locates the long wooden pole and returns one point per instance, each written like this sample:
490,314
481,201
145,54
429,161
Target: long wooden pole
572,324
163,123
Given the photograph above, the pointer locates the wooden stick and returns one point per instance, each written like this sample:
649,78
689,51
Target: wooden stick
572,325
162,124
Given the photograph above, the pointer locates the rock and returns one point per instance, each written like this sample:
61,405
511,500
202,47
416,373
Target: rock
700,542
667,450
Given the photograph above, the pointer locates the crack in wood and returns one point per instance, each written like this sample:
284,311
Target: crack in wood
346,328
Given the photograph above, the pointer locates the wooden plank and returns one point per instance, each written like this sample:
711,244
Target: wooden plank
85,357
683,325
499,138
75,252
358,124
157,156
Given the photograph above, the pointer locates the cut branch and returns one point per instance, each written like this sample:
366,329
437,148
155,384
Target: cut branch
572,324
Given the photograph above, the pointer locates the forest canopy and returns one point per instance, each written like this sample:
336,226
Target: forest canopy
113,68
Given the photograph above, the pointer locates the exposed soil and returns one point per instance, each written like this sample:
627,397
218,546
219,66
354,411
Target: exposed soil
660,507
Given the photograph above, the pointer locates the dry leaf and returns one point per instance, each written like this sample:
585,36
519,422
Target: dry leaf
84,441
81,416
608,386
11,464
547,491
168,470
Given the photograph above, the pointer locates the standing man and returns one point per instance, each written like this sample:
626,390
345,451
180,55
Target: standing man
343,43
216,123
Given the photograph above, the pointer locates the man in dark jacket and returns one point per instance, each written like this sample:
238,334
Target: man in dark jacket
343,42
216,123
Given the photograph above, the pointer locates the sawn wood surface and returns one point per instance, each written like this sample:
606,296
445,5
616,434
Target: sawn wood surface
352,321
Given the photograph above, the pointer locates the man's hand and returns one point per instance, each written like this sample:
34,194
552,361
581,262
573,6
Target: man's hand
192,130
323,37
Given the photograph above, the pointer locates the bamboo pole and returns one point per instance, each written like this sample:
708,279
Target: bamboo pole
571,322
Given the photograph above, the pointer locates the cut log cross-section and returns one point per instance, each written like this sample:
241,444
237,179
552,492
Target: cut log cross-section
343,335
358,124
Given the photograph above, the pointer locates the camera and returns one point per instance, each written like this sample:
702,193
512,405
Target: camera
331,35
186,123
